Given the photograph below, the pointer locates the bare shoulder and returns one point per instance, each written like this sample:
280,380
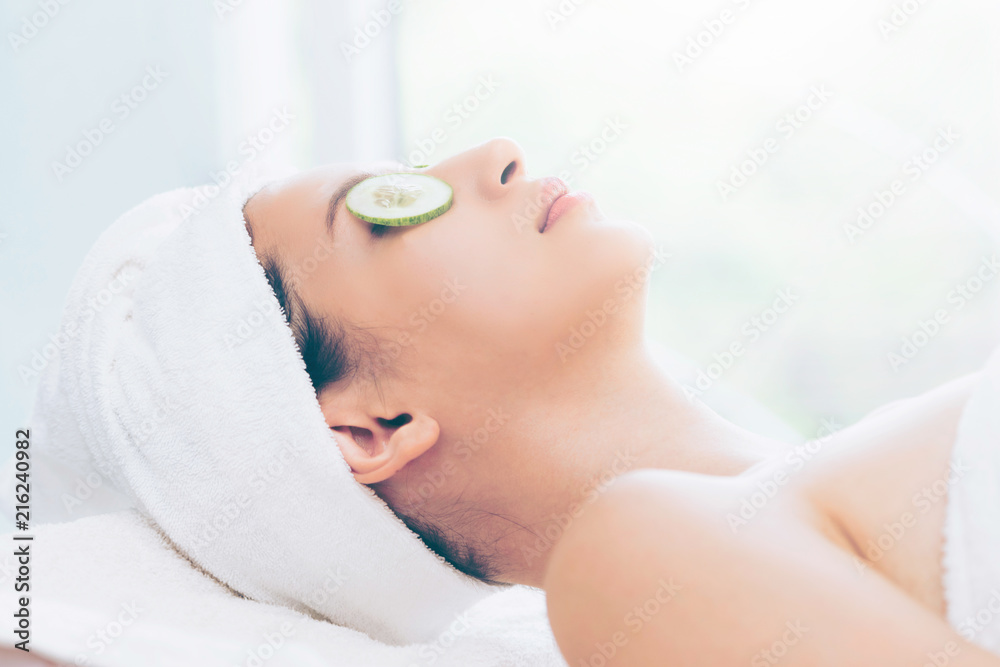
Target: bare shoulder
633,510
615,578
652,574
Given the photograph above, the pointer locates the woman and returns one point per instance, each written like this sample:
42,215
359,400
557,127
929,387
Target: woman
444,354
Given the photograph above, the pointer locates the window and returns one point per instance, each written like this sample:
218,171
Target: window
838,162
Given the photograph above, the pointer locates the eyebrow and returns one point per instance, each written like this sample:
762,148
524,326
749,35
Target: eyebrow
339,195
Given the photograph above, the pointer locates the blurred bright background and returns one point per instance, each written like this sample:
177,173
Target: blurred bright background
744,134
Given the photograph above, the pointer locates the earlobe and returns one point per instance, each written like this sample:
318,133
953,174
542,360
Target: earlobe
362,451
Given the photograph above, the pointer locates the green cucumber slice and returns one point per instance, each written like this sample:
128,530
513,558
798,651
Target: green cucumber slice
398,200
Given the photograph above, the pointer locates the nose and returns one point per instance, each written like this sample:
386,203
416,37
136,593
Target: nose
490,169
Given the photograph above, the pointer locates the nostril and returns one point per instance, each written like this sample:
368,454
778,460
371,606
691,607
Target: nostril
508,172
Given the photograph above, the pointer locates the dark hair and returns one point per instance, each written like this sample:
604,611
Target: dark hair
333,351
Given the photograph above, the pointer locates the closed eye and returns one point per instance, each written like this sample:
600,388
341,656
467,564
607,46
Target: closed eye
378,231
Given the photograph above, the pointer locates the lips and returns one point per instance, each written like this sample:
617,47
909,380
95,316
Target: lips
552,189
564,203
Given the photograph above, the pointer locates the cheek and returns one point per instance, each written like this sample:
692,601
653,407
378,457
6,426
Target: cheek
490,298
418,283
473,289
527,304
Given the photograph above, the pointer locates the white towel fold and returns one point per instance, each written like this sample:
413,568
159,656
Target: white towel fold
177,389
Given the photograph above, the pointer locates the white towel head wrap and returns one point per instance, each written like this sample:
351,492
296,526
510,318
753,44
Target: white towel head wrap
178,382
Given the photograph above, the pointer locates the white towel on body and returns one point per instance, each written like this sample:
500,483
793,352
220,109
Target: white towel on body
972,527
109,591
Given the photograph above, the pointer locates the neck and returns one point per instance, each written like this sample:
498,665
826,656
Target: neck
672,431
629,414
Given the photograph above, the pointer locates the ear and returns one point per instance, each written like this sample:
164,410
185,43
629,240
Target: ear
377,448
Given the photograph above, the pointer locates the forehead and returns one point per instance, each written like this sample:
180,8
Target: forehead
282,211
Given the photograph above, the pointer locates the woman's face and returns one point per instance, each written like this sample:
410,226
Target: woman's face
477,305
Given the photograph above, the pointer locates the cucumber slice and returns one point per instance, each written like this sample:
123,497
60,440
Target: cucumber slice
399,200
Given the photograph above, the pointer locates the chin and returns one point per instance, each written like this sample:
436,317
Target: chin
636,238
626,251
